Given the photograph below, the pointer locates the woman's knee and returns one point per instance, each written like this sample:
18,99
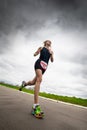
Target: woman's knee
39,79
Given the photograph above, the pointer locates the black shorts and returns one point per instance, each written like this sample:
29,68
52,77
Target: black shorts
38,66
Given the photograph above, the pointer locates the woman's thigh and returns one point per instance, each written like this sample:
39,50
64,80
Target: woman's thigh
38,74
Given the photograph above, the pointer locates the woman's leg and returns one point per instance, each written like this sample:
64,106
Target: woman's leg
37,85
32,82
24,84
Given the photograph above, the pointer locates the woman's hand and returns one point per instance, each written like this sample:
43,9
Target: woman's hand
50,50
38,51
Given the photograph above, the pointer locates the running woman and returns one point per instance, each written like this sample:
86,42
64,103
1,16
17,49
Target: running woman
40,67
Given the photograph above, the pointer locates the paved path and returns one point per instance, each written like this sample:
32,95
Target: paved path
15,113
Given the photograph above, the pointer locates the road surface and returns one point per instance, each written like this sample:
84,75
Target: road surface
15,113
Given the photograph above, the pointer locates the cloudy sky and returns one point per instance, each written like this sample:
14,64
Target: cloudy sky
25,24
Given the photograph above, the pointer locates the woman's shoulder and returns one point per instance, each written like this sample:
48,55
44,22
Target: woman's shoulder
40,48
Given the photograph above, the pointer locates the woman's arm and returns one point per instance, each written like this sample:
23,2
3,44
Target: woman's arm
51,57
38,51
51,52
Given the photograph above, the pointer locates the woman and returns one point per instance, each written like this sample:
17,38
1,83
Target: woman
40,67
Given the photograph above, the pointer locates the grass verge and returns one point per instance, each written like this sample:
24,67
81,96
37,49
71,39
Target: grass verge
73,100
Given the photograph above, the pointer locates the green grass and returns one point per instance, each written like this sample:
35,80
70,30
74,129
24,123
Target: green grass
73,100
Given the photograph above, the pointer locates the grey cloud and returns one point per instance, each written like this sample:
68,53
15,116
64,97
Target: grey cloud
17,15
73,15
4,43
30,15
24,14
81,61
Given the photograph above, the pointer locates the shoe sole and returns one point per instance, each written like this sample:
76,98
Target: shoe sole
39,116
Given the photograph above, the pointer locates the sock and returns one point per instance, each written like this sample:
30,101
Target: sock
34,105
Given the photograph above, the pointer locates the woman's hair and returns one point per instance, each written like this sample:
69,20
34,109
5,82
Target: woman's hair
46,42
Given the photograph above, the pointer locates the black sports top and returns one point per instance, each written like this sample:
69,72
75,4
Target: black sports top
44,55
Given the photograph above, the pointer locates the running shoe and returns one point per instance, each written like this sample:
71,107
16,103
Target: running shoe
37,112
22,86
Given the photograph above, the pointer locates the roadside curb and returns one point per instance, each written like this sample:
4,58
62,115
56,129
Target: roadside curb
57,101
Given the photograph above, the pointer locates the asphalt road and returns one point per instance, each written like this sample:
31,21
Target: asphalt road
15,113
